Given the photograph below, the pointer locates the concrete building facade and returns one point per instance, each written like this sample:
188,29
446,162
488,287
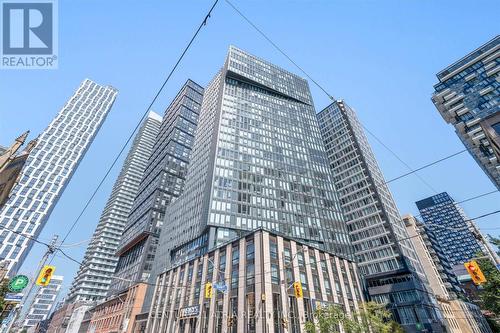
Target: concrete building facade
251,278
60,317
67,318
460,316
468,97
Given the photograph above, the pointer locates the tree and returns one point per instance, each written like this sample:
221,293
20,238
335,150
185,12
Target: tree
489,299
495,241
370,316
4,288
327,319
378,318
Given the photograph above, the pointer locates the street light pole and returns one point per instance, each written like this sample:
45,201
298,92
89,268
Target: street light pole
51,248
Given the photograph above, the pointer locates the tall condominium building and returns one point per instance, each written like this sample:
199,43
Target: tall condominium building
460,239
43,302
257,162
468,97
48,169
386,257
443,281
163,180
460,316
99,263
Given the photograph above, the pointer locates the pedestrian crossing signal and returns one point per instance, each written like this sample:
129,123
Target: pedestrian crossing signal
297,287
45,275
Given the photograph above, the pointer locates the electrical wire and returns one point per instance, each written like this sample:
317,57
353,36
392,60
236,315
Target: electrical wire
427,165
204,22
76,244
130,137
36,240
330,96
467,200
478,196
412,171
256,274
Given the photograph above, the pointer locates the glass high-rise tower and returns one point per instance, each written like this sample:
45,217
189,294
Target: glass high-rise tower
386,257
258,161
94,275
48,169
460,240
162,181
468,97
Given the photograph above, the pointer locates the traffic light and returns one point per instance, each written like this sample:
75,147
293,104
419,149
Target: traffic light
475,272
209,291
45,275
230,322
297,287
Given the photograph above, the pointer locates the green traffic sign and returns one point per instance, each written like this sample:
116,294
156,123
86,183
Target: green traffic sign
18,283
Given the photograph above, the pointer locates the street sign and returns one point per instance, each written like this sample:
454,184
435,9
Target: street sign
189,312
221,286
13,297
316,304
18,283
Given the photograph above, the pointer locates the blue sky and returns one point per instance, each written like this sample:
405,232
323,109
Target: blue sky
380,56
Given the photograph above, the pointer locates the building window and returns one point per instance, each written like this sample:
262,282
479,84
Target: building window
251,312
275,274
250,250
277,314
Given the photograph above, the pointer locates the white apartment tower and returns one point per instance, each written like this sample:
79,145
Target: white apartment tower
386,257
44,301
49,167
94,276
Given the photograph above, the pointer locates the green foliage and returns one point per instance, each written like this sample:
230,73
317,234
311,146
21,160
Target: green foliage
4,288
495,241
495,327
370,315
490,301
327,320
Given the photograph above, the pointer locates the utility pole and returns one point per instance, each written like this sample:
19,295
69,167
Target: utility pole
51,248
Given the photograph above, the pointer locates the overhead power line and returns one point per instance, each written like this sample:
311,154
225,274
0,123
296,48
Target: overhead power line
330,96
393,153
279,49
202,24
478,196
427,165
455,229
467,200
265,272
